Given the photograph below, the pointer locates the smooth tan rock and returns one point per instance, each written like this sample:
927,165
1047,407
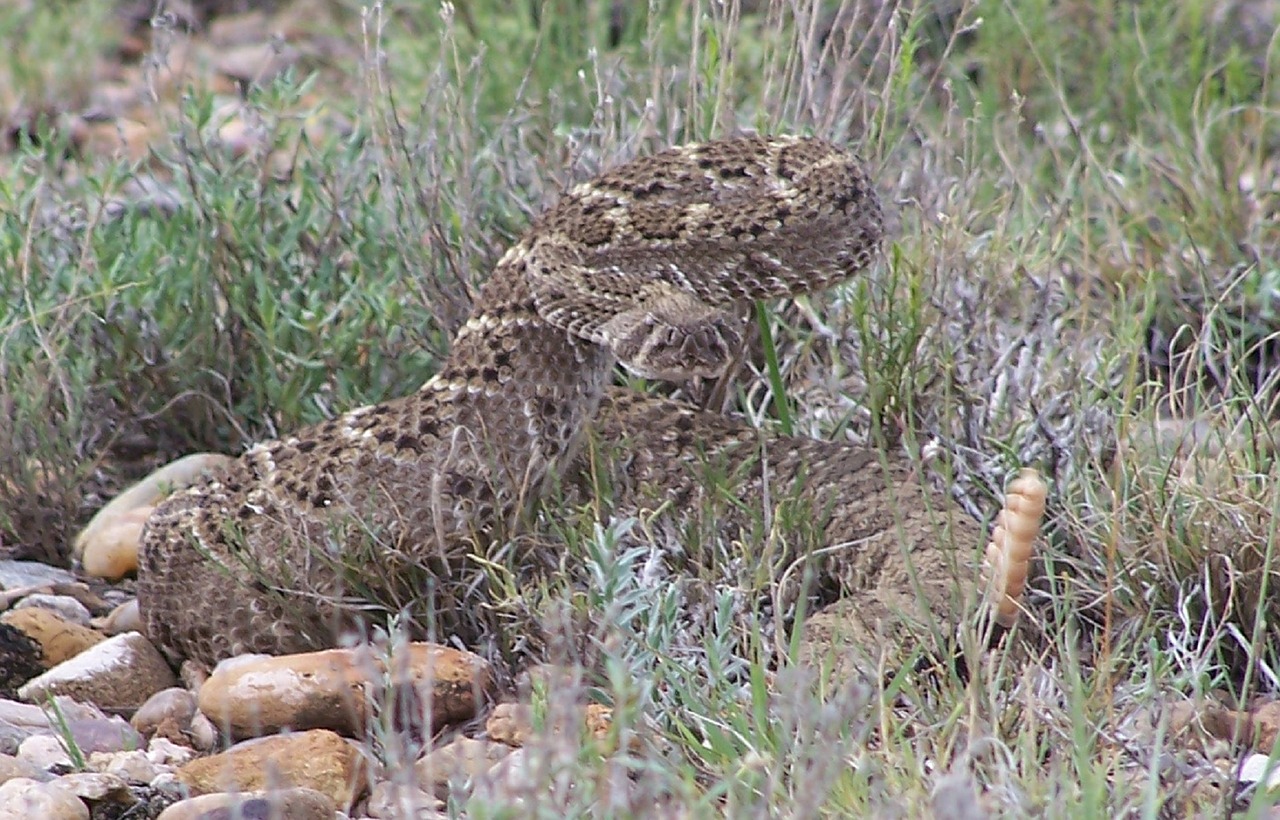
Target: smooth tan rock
124,618
119,673
332,689
117,551
203,734
44,752
59,639
113,551
258,695
389,800
11,767
167,713
316,759
286,804
170,715
25,799
462,759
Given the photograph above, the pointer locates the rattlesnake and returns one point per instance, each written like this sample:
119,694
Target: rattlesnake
642,265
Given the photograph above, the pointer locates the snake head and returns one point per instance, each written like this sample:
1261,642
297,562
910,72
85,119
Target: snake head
673,336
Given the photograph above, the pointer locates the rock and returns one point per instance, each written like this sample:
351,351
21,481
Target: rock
119,673
509,781
239,29
109,542
255,695
240,138
11,767
512,723
24,799
1259,768
332,689
454,683
59,639
168,784
111,100
166,714
124,618
1266,726
97,787
255,62
192,674
45,752
509,723
76,590
91,730
203,734
317,759
170,715
287,804
15,574
134,766
121,138
112,553
389,800
1206,725
67,607
166,753
462,759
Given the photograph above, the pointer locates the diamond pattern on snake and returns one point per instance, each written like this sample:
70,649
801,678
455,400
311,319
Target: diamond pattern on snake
646,265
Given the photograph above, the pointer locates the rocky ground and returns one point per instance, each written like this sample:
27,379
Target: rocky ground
107,731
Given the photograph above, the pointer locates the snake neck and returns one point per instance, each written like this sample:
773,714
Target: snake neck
522,389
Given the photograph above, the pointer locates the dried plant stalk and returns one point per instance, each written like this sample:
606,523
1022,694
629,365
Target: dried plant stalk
1008,557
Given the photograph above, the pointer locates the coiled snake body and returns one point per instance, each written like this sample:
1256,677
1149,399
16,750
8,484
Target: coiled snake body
642,265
